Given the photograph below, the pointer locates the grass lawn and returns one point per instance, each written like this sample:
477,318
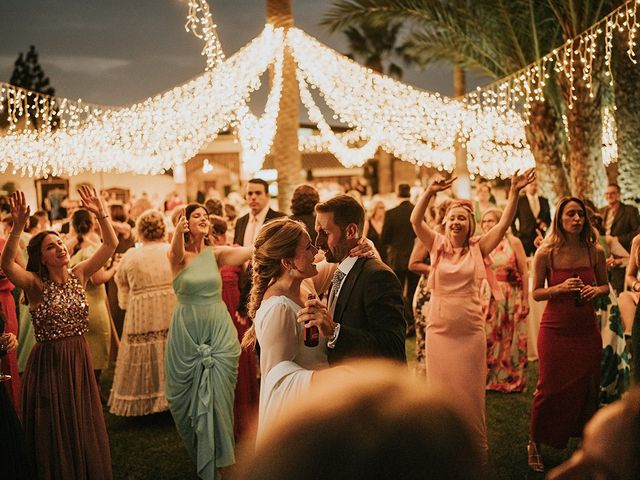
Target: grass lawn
150,448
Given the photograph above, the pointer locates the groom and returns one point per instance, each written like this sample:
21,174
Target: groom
365,305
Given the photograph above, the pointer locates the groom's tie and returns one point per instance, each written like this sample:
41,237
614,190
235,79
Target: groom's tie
335,285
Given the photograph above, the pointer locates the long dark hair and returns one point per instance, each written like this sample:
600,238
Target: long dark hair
188,210
34,251
82,221
558,236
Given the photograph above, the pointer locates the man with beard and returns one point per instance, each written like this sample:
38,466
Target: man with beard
364,313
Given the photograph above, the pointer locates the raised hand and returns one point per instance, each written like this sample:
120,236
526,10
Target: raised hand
182,226
519,181
439,184
364,248
91,201
20,211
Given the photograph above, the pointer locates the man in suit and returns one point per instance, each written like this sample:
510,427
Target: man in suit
532,219
397,241
621,223
248,226
364,315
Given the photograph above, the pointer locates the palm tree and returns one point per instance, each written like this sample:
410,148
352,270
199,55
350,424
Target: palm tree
627,100
497,38
286,156
584,116
375,46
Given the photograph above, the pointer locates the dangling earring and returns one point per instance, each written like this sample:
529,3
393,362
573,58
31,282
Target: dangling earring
290,272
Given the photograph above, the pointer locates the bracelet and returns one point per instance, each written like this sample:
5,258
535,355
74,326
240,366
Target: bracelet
17,235
103,217
635,285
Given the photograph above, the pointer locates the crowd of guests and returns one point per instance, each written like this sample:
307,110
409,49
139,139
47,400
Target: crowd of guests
196,304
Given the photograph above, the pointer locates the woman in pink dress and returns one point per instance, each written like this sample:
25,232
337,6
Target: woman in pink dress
569,344
455,336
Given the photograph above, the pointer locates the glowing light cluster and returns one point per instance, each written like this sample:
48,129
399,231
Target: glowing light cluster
496,146
572,60
50,135
412,125
609,138
148,137
256,134
200,23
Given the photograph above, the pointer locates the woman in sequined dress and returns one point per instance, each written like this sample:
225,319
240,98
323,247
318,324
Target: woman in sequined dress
61,407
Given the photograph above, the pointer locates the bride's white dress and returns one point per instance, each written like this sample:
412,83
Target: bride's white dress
285,362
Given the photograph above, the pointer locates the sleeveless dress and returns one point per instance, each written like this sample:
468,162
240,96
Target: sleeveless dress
455,353
286,364
10,360
506,327
61,408
201,366
569,352
99,334
245,405
26,338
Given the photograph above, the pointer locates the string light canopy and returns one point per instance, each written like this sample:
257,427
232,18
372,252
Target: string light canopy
572,60
54,136
148,137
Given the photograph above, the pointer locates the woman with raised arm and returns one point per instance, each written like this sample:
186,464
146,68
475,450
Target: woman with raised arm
61,407
573,267
201,357
455,332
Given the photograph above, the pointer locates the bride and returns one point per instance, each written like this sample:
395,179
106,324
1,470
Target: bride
284,274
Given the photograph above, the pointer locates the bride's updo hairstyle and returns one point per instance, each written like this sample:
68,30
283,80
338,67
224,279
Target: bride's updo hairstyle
276,241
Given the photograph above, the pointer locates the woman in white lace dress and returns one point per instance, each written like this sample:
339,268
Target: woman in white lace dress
145,292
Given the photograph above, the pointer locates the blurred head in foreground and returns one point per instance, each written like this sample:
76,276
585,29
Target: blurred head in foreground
610,446
368,420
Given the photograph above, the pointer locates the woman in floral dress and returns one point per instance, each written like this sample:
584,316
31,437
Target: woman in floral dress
506,319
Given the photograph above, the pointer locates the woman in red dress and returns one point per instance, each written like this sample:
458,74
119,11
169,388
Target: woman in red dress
569,344
245,406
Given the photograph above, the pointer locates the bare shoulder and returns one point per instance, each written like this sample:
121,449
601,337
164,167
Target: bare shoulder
600,253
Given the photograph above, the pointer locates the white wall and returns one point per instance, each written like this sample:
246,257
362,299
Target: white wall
156,186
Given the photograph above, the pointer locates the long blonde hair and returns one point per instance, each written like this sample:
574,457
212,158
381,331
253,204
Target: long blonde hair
276,241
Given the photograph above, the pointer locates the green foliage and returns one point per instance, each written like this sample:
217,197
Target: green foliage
375,46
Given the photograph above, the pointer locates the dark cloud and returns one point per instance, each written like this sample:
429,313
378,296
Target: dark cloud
121,51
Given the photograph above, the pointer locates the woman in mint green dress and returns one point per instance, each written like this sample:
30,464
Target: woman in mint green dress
201,359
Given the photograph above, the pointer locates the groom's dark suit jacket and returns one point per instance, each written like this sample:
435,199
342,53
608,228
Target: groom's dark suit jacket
370,312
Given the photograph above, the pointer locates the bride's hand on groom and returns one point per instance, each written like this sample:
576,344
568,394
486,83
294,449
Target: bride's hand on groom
316,313
364,248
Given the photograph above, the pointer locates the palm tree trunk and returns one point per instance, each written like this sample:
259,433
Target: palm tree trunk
286,157
627,115
584,120
545,142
